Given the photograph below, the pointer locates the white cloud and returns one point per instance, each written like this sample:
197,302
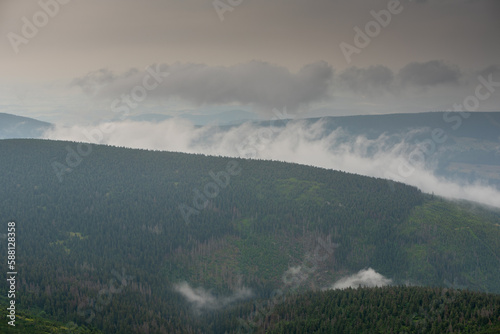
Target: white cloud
202,299
298,142
364,278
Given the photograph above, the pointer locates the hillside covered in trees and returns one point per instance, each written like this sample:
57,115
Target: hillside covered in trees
386,310
123,240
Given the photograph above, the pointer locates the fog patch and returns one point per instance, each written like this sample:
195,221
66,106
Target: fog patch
364,278
202,299
308,143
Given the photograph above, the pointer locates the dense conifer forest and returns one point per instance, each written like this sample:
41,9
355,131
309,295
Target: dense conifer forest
107,238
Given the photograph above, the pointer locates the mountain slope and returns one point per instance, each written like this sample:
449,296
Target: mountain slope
102,231
12,126
385,310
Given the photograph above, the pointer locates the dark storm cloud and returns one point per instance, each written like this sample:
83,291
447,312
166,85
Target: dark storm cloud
367,81
257,83
430,73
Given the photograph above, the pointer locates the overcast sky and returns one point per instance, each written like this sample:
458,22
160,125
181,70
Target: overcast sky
254,55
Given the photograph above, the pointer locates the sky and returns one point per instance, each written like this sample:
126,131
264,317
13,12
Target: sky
75,62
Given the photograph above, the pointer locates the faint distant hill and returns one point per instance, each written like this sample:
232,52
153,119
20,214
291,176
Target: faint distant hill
477,125
223,118
469,148
457,146
12,126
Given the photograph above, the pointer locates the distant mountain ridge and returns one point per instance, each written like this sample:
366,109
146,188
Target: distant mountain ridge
223,118
479,125
464,146
12,126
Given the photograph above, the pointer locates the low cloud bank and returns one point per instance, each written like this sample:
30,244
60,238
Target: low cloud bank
364,278
298,141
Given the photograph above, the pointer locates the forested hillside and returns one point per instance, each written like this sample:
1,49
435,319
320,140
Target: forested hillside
364,310
37,322
386,310
116,239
